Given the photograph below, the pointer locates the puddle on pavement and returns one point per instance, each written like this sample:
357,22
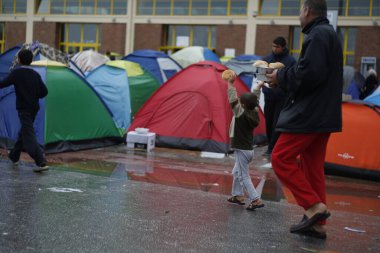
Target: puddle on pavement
344,194
219,182
211,175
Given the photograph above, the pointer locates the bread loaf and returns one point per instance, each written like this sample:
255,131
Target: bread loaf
227,74
276,65
260,64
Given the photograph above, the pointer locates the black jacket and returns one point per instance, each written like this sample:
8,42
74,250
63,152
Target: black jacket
315,83
29,88
284,58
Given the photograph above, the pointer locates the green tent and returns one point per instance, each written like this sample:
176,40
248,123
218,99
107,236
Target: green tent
71,117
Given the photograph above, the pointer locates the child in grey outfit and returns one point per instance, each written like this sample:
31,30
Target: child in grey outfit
245,119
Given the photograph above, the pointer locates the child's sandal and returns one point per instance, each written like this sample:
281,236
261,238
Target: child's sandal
235,200
255,204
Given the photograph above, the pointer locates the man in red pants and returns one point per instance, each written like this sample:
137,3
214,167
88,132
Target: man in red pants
311,113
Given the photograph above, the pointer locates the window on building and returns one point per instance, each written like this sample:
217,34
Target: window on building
199,7
290,7
87,7
192,7
79,7
72,7
181,7
79,37
20,6
178,36
103,7
358,7
162,7
12,6
219,7
238,7
2,37
376,8
344,7
42,7
119,7
269,7
337,5
296,40
7,6
145,7
347,36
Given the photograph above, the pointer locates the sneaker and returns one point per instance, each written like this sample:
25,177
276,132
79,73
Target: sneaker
40,168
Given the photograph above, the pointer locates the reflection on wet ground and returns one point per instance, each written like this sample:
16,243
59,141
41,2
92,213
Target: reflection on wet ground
187,169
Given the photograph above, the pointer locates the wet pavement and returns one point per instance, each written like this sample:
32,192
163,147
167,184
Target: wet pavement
120,200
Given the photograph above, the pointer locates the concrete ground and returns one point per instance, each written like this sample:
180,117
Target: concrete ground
119,200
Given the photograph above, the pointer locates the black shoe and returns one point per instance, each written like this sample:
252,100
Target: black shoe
41,167
306,223
15,162
312,232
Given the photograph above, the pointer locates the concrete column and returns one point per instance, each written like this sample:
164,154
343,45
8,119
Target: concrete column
29,21
130,27
250,39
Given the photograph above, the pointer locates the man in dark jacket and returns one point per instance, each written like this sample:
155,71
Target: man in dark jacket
311,113
275,97
29,88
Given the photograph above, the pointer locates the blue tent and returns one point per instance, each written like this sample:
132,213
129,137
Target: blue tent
112,85
242,66
160,65
6,60
374,98
124,86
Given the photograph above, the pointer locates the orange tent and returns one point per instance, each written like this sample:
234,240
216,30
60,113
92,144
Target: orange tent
355,151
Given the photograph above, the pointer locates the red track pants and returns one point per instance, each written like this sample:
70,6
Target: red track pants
304,178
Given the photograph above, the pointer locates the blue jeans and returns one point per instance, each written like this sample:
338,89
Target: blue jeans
241,175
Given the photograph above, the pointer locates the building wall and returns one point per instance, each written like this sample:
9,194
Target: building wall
46,32
230,36
265,35
367,44
113,38
148,36
14,34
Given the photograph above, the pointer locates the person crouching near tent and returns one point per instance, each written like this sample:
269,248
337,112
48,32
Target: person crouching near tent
244,120
29,88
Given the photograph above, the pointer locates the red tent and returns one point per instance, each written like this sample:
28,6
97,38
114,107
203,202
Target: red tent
355,150
191,110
